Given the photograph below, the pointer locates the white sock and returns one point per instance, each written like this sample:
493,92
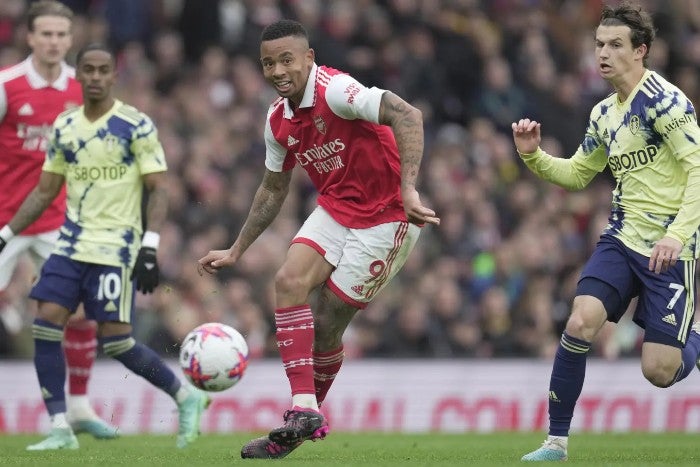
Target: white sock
59,420
182,394
79,408
307,401
78,403
560,440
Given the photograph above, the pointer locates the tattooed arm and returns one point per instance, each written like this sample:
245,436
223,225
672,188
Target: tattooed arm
37,201
266,205
157,206
406,122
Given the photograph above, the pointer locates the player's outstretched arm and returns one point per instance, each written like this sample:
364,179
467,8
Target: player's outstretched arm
406,122
35,203
266,205
526,135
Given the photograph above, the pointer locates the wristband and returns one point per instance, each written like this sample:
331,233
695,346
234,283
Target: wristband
150,239
6,233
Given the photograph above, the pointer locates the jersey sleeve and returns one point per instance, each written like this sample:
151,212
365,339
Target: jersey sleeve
147,148
674,119
351,100
676,122
274,152
576,172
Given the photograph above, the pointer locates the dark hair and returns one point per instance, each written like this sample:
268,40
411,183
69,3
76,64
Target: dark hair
47,8
90,48
639,21
283,28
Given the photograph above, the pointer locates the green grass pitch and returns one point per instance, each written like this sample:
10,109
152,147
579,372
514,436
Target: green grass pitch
363,449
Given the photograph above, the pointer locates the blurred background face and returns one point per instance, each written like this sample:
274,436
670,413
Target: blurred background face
96,74
286,64
51,39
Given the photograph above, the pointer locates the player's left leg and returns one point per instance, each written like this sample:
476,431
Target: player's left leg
671,342
331,318
692,348
604,292
109,296
116,341
370,259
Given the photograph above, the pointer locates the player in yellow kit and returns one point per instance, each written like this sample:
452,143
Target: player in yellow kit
106,152
647,133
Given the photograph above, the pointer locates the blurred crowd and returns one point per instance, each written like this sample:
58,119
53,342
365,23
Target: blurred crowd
495,279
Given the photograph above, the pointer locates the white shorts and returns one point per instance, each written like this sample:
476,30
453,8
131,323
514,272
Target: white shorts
38,246
365,260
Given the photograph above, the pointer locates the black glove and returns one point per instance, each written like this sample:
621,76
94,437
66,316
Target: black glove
146,273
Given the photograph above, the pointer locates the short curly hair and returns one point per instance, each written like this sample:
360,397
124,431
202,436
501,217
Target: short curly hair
283,28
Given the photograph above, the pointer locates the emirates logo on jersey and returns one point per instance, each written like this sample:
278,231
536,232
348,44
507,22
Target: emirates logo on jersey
320,124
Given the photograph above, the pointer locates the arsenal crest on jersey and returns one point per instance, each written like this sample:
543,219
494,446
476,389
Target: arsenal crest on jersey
320,124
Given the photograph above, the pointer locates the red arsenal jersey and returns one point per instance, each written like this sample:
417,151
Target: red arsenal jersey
335,136
28,107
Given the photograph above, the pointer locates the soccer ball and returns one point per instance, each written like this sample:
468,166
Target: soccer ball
214,356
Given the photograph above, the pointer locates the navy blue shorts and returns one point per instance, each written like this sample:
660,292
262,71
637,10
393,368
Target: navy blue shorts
666,301
106,292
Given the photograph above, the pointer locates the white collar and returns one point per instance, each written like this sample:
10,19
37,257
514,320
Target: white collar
309,98
37,81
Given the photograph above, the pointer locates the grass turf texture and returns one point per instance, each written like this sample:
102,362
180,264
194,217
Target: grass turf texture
363,449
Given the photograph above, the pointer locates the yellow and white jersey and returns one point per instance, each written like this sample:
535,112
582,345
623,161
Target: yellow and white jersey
103,163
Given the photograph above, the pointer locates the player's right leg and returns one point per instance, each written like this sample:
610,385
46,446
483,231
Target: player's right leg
58,293
596,301
568,373
80,348
109,299
51,372
311,258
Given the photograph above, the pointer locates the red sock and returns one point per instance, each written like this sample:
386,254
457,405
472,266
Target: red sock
295,338
326,368
80,348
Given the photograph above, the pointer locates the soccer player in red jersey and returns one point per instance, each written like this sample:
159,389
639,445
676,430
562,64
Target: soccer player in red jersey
362,149
32,94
